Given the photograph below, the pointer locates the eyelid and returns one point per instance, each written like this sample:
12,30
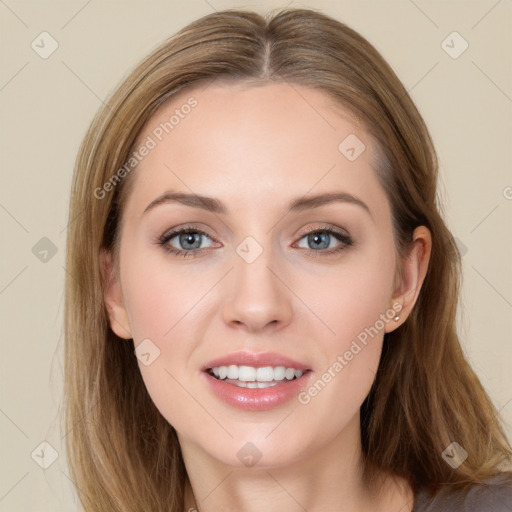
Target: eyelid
340,234
164,239
172,232
325,227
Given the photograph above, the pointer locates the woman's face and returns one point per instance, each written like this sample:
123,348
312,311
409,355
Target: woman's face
269,273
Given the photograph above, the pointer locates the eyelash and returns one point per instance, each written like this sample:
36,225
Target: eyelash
166,237
344,238
339,235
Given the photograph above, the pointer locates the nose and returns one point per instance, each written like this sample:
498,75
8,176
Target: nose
258,299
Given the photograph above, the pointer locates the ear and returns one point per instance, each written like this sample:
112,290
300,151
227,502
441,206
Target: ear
113,296
414,270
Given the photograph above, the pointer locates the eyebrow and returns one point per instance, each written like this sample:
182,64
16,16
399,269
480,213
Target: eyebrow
215,206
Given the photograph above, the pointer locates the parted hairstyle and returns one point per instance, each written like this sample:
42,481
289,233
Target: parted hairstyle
123,455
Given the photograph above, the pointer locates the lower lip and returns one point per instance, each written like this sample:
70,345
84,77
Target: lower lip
257,399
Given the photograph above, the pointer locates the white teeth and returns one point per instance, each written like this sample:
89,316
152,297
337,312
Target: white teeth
246,373
233,372
259,385
251,375
265,374
262,385
289,373
279,372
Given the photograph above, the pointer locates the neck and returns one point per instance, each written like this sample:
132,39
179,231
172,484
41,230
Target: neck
327,479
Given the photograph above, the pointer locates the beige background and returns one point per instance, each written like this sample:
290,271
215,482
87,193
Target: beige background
47,104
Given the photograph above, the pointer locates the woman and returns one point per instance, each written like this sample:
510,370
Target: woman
262,307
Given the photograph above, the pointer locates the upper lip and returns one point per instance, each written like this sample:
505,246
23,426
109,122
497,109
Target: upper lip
256,360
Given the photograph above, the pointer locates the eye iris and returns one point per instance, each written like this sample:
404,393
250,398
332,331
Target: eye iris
188,238
319,238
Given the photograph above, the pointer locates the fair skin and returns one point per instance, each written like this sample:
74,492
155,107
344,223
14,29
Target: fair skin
256,148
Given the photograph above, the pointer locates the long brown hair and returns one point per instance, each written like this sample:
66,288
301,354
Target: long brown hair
124,456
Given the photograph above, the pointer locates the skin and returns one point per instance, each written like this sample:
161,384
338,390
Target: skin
257,147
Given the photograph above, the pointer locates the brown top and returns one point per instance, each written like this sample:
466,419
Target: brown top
492,496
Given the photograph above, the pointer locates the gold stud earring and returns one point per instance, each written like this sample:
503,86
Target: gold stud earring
397,317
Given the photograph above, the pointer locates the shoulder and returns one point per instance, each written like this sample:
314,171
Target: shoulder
495,495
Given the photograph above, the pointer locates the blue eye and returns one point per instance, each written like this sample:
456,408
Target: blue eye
319,240
325,240
189,240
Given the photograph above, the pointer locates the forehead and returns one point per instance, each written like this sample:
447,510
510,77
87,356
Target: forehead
254,144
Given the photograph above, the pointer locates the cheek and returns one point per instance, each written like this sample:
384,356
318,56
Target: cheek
349,298
353,305
167,318
159,295
158,303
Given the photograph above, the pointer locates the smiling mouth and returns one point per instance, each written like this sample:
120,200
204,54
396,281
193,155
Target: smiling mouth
255,377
